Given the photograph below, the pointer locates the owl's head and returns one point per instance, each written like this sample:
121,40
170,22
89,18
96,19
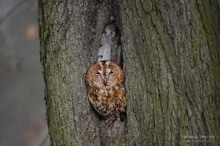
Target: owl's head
104,74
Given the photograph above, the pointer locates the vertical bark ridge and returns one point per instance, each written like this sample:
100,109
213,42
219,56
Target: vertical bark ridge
65,35
173,37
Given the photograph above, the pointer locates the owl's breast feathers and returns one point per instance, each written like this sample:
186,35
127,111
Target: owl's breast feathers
108,101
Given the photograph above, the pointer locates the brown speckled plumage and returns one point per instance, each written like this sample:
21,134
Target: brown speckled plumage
105,89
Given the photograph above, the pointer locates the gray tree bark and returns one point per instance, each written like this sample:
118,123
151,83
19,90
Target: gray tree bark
171,59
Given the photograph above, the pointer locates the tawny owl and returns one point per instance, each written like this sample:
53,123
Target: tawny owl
105,89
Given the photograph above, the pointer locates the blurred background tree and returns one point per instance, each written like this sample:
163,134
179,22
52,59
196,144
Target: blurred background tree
22,108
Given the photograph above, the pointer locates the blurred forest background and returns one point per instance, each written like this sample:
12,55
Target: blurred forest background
22,106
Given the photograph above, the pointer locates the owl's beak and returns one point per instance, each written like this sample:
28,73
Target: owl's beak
105,80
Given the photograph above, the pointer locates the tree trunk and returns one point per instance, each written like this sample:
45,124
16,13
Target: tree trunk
171,59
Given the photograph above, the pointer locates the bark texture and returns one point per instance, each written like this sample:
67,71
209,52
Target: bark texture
171,60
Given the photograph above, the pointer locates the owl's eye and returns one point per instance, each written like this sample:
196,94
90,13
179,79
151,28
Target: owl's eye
98,73
111,72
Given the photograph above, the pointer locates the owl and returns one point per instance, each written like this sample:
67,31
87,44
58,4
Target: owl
106,91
